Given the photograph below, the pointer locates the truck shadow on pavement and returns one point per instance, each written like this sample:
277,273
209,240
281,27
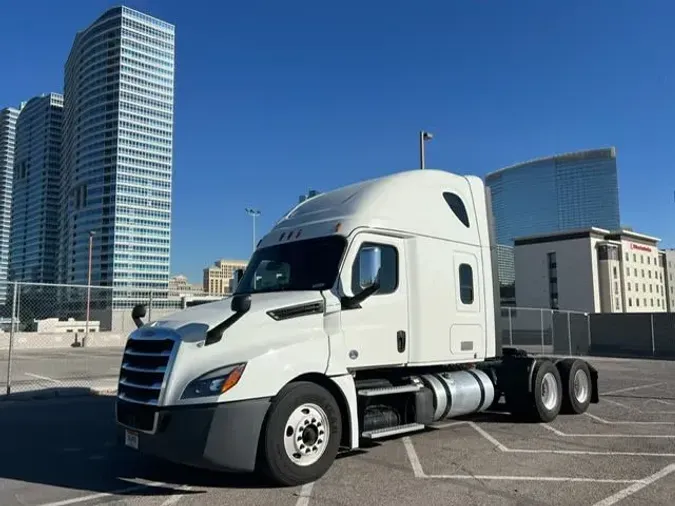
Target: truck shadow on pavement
70,442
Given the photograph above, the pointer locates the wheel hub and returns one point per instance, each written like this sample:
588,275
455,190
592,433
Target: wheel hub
549,391
581,388
307,432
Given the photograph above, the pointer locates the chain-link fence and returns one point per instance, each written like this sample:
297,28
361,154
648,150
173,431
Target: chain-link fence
545,330
72,336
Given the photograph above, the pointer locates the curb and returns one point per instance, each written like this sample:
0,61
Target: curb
57,393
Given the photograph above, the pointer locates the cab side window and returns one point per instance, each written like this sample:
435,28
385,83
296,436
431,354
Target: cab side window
369,258
466,284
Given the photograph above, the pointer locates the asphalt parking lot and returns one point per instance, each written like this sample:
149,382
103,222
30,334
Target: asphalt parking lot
36,370
61,452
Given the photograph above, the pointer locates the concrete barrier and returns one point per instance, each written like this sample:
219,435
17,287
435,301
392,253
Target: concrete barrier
40,341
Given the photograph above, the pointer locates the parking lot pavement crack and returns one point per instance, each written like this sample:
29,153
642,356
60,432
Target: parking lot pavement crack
631,389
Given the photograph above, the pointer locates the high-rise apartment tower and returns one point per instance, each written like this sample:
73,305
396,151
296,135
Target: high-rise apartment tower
118,154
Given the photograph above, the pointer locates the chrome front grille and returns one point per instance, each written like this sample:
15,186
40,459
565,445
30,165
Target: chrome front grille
146,360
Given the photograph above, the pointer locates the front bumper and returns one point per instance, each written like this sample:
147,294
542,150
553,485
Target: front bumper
220,437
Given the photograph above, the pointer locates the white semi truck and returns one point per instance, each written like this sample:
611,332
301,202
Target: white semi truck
367,312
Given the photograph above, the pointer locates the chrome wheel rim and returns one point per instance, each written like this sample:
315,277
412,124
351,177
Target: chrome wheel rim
581,387
549,391
306,434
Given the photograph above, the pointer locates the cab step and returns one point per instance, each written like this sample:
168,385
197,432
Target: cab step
393,431
401,389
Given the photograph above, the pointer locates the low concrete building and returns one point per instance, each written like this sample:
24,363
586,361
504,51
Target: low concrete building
592,270
179,286
218,278
56,326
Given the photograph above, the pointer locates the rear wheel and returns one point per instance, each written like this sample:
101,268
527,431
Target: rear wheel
302,434
543,403
577,385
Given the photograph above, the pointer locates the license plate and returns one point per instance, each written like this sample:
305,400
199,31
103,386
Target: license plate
131,439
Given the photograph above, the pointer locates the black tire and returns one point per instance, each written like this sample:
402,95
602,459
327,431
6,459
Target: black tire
529,406
574,402
275,461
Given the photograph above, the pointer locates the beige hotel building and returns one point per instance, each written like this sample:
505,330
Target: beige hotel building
594,271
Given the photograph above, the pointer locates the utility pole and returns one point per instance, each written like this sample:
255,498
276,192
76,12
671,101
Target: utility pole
424,137
253,213
91,243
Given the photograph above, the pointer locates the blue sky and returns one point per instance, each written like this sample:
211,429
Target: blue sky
274,98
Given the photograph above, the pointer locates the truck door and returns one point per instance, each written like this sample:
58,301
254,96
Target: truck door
376,333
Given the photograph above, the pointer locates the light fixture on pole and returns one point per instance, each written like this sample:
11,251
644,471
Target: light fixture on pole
253,213
91,243
424,136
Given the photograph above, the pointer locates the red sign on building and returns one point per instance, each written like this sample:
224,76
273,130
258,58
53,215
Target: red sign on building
640,247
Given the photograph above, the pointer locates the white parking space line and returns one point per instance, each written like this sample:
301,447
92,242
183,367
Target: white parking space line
620,404
505,449
413,458
638,410
631,389
661,401
552,429
177,497
487,436
526,478
305,494
446,425
629,436
610,422
92,497
46,378
636,487
593,453
418,471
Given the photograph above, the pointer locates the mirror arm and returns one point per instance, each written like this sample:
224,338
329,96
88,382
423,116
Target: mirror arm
355,301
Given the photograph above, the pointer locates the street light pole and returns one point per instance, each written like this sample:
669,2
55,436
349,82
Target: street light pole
91,243
253,213
424,136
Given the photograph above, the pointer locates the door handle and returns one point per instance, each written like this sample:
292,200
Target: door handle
400,341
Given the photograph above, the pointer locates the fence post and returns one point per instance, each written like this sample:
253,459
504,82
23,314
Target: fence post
510,328
651,321
541,321
569,332
150,309
552,329
11,341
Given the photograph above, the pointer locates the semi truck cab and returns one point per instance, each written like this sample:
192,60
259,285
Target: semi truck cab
366,312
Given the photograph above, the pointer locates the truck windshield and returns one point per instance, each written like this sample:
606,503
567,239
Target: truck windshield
310,264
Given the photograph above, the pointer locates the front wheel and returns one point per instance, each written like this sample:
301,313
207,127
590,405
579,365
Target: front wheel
302,434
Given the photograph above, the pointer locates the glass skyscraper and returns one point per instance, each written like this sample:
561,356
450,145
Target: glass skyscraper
563,192
117,154
35,195
8,117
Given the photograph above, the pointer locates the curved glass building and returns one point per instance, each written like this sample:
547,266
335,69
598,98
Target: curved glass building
34,236
117,154
562,192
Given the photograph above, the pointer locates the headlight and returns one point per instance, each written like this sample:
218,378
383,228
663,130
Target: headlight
215,382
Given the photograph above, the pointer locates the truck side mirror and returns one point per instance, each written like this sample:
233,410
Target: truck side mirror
370,261
137,313
240,303
236,278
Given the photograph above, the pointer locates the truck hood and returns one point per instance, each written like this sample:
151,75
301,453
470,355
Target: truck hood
207,316
286,343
